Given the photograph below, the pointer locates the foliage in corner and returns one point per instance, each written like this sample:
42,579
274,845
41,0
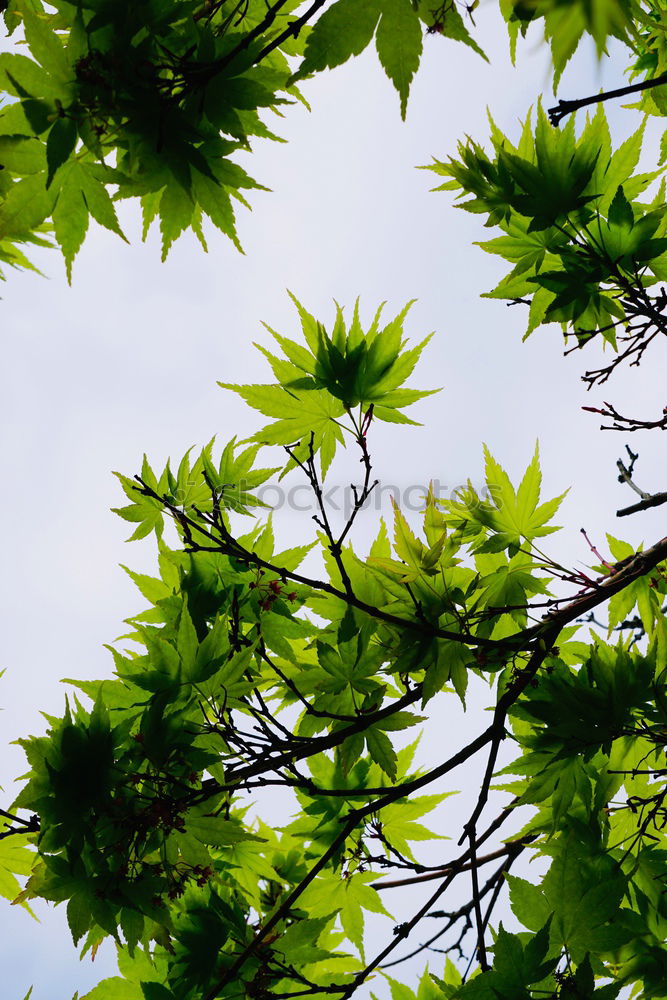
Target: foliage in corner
109,101
586,241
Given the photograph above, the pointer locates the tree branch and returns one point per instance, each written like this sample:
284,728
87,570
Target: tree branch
229,546
656,500
292,30
564,108
622,423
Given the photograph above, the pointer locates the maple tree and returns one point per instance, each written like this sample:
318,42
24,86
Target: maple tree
248,671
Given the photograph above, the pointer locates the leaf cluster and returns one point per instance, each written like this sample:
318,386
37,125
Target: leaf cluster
584,245
151,101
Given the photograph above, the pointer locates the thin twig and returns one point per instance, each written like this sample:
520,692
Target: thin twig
564,108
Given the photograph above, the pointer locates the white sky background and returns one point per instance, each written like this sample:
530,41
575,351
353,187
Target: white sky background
126,361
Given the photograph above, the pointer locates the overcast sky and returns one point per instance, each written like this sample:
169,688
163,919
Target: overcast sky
126,361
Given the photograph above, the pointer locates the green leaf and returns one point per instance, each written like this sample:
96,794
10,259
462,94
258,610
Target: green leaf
341,370
215,201
517,516
115,988
528,902
215,831
15,859
381,751
187,642
176,212
132,925
315,413
156,991
344,29
23,78
22,155
620,211
153,589
78,916
408,547
399,45
584,888
99,203
70,214
60,144
46,46
453,26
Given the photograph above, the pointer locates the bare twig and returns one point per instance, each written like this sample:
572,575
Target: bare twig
647,500
564,108
656,500
622,423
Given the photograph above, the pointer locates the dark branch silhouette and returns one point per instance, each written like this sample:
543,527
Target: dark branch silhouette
564,108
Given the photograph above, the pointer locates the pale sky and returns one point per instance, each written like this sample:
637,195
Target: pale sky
127,360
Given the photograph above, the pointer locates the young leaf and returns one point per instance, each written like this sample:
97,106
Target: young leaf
399,45
344,30
60,144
